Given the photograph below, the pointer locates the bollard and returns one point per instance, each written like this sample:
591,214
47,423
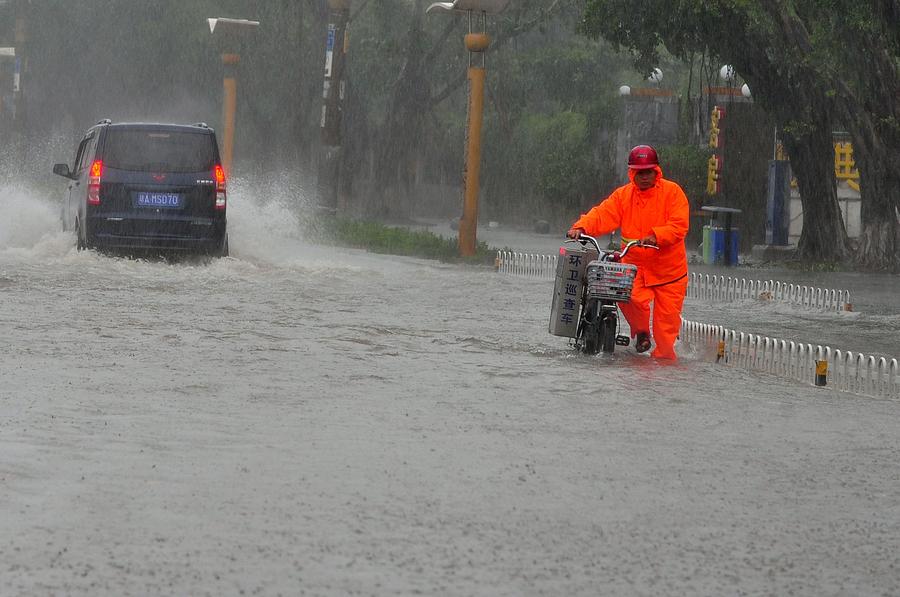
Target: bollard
821,373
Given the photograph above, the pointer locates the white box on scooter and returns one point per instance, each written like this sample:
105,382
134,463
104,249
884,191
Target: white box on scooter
568,287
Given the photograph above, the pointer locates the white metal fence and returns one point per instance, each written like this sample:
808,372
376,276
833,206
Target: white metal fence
700,286
727,289
846,371
526,264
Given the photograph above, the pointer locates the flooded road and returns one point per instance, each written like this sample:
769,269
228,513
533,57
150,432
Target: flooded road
872,327
302,419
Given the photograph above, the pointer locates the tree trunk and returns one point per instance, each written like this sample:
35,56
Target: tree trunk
824,237
879,242
872,120
877,157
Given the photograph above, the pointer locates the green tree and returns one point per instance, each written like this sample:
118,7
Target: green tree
744,34
856,48
408,105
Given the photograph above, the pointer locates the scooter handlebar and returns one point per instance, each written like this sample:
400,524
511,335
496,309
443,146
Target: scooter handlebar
583,237
634,243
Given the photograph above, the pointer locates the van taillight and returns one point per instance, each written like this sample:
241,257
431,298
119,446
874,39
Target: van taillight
220,187
94,182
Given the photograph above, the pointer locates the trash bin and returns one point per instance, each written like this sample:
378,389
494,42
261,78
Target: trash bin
706,244
721,239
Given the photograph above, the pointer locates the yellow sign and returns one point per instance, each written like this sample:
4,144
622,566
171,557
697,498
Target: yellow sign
844,166
714,119
713,167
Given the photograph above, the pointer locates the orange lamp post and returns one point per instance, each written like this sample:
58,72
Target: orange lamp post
477,44
230,33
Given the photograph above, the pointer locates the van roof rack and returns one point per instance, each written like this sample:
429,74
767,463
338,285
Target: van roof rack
104,121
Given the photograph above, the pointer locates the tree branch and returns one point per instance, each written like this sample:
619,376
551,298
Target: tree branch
449,89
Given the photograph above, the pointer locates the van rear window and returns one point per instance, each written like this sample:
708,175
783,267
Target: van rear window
159,151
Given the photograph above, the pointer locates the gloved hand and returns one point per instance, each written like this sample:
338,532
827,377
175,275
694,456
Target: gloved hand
575,232
650,239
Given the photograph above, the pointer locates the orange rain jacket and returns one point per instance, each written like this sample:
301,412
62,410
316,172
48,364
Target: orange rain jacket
662,209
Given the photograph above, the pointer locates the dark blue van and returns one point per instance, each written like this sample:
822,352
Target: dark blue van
136,186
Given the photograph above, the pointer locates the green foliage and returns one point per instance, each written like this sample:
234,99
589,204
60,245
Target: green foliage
802,60
547,75
548,135
549,93
379,238
556,150
137,61
686,165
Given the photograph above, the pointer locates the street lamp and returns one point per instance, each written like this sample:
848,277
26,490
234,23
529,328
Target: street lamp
727,74
230,33
476,43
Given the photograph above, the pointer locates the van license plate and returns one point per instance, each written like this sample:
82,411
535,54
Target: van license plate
165,200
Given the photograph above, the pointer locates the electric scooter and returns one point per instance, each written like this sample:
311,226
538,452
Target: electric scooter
591,282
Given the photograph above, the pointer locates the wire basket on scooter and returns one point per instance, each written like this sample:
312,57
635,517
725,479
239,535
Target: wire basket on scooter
610,281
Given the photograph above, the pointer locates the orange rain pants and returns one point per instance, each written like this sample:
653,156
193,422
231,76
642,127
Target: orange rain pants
667,301
662,275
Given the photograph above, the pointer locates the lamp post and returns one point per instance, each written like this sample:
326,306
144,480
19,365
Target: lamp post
476,43
230,32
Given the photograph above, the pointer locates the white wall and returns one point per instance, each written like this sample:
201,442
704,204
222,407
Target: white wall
849,201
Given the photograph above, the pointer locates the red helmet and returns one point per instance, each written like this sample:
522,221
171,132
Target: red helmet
643,157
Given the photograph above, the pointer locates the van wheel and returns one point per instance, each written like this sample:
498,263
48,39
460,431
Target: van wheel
79,239
222,251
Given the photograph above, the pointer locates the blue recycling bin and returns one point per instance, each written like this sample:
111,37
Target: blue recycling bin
721,239
719,254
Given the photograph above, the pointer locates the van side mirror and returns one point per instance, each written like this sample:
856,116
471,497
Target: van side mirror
62,170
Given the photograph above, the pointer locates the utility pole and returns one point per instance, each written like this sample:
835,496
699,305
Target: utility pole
20,70
337,42
7,105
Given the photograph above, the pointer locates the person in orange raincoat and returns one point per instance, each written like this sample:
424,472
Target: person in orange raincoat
655,211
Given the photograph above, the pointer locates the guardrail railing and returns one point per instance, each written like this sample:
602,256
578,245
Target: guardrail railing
526,264
700,286
845,371
727,289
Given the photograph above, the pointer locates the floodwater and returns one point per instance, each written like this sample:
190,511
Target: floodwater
302,419
872,327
